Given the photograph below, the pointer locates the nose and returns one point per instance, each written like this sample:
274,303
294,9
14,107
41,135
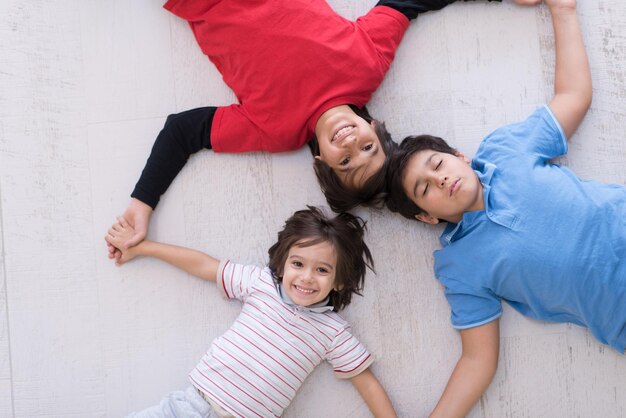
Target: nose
307,275
440,180
349,141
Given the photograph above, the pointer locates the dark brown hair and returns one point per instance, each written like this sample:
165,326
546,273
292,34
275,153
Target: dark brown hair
372,193
344,232
397,200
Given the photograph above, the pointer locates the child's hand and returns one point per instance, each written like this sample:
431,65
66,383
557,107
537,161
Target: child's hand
138,216
117,236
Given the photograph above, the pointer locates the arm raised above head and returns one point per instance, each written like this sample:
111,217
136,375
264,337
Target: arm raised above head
473,372
572,77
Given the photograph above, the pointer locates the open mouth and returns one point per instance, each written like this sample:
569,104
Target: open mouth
342,132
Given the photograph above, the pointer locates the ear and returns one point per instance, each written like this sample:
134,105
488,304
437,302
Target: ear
426,218
338,287
462,156
317,157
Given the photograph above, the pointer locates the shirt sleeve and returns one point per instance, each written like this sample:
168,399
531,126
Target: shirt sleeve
385,27
182,135
470,307
540,135
235,281
347,355
411,8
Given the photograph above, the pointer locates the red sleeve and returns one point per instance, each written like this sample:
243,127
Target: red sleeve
385,27
233,131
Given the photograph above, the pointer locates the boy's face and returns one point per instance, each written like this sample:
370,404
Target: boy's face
309,273
443,185
349,145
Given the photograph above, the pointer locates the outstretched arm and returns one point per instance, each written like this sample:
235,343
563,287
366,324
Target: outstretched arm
182,135
193,262
572,78
373,394
473,372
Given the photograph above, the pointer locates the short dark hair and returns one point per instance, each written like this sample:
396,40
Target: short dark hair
372,193
344,232
397,200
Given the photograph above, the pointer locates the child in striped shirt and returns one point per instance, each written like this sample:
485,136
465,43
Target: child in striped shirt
288,324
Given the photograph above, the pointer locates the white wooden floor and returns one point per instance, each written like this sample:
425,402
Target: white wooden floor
84,88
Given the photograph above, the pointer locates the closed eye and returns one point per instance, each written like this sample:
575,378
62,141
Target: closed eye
438,165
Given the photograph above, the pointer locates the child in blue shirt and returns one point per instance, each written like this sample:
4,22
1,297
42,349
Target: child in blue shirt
520,228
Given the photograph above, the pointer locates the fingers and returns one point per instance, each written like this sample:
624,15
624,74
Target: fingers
119,230
135,239
121,221
138,236
112,233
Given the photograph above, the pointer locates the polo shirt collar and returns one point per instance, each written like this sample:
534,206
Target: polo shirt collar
500,213
319,307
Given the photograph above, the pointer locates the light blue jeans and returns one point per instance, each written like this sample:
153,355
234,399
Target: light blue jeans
179,404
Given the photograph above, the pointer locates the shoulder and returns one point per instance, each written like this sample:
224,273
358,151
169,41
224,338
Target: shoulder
539,135
236,280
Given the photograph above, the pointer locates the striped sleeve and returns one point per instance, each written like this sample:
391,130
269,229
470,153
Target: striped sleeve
347,355
235,281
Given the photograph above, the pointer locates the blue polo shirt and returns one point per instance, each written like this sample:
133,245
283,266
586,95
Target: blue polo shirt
551,245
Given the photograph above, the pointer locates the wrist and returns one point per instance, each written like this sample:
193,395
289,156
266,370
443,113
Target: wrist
562,9
141,249
141,206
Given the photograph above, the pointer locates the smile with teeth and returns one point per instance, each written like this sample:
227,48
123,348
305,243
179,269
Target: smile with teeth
343,132
304,290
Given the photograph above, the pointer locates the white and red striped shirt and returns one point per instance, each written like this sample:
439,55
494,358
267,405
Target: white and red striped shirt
256,367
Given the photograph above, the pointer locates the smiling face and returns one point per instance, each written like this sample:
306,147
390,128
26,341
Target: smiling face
443,185
309,273
349,145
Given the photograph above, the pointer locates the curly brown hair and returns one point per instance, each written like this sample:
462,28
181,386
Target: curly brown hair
344,232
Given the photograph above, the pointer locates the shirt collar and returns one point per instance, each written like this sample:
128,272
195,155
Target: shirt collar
499,213
319,307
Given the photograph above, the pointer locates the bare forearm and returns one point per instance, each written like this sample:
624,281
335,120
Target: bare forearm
374,395
193,262
468,382
572,80
572,73
473,372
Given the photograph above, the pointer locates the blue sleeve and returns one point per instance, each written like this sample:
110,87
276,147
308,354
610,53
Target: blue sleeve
539,136
471,307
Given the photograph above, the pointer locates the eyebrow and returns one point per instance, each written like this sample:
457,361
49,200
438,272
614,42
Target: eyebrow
417,180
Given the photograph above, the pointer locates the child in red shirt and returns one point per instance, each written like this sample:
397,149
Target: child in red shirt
301,74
